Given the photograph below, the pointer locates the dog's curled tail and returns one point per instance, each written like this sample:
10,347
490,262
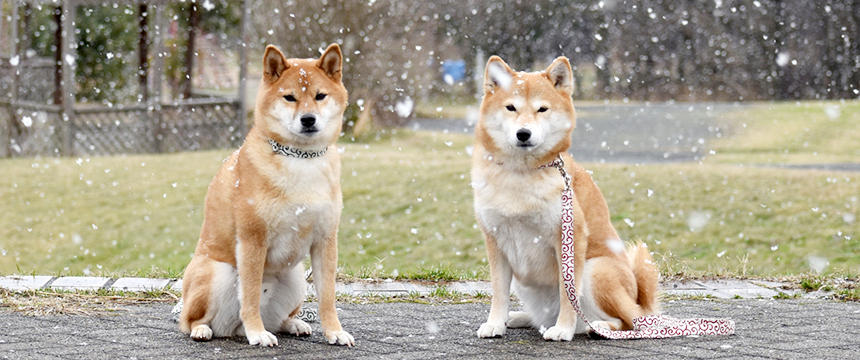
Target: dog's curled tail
646,275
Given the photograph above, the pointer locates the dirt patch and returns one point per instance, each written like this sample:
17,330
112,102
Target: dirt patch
41,302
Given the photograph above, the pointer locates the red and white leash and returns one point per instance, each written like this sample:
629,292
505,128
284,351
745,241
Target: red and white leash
646,327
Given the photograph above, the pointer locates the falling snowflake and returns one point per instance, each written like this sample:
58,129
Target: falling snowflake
403,108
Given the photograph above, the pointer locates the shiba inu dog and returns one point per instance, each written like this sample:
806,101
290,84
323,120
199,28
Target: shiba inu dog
526,121
274,201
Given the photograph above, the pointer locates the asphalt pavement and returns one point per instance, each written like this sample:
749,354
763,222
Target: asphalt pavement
630,133
765,328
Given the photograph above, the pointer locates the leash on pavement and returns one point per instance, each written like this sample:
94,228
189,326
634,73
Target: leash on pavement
646,327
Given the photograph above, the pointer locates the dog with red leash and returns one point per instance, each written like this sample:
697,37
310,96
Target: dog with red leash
526,121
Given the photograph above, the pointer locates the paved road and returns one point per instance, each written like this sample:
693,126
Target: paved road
765,329
631,133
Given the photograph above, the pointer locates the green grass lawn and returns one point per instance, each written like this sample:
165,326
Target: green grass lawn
791,133
408,211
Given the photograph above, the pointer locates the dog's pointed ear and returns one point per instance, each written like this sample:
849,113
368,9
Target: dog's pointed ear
274,63
560,74
497,74
331,62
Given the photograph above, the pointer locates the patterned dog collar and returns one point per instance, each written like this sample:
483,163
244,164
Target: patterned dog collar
293,152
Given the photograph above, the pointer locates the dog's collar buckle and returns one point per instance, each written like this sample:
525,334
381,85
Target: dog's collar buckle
293,152
558,163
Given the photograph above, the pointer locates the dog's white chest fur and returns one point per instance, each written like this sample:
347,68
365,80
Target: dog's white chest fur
522,211
308,214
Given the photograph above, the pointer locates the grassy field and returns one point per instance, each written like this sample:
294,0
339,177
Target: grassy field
788,133
408,213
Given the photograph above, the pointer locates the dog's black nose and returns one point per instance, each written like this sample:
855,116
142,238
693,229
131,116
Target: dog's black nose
308,120
523,134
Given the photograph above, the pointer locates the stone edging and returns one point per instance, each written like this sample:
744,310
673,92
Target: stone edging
723,289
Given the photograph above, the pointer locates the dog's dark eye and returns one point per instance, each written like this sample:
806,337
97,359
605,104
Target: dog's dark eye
542,109
320,96
511,108
290,98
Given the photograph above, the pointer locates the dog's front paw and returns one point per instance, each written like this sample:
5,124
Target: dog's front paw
201,333
489,329
339,337
262,338
297,327
559,333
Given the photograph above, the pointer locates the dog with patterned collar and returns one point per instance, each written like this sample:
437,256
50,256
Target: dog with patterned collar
275,200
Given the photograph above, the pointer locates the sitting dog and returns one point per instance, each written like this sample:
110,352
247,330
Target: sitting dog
273,202
526,122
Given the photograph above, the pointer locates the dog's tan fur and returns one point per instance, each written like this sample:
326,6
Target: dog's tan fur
518,208
265,212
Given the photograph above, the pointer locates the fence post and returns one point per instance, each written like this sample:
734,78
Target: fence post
69,55
5,150
156,72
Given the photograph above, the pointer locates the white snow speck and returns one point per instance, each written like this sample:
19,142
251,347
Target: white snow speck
27,121
782,59
77,239
404,107
413,231
208,5
432,327
616,245
832,111
774,248
15,60
70,59
698,220
721,253
629,222
817,263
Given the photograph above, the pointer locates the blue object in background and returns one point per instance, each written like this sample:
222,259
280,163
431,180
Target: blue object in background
453,70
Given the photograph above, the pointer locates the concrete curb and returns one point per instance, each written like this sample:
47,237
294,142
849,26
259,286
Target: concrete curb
723,289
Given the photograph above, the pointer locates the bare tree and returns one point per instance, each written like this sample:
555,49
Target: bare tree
388,46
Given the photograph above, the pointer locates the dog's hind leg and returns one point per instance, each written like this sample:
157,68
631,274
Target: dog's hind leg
283,298
197,310
295,326
518,319
612,294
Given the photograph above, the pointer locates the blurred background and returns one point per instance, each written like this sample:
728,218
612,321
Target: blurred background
724,133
